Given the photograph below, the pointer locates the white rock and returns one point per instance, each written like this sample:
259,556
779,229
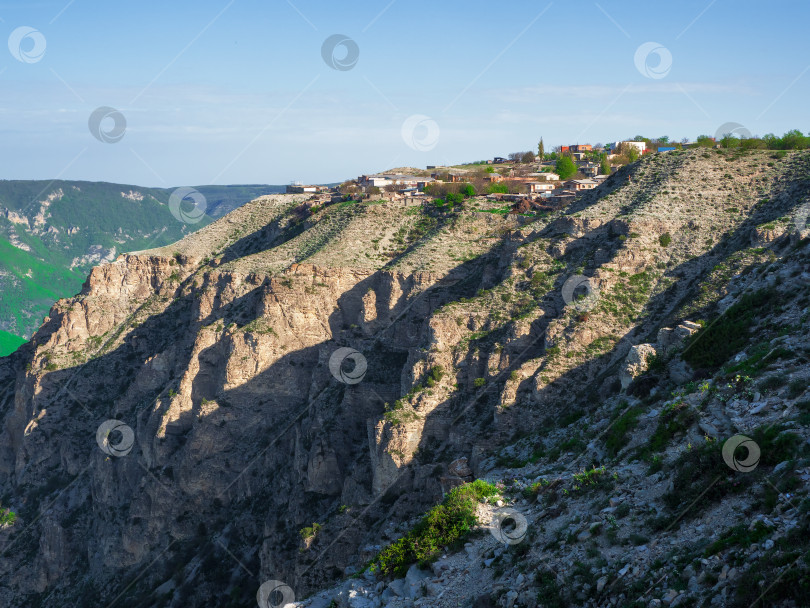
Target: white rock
758,407
600,584
781,466
397,587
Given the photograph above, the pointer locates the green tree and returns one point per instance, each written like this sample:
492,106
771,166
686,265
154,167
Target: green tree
541,149
454,199
565,167
604,167
794,140
467,190
729,141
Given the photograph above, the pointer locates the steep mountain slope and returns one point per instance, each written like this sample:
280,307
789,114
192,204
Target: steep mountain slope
260,448
52,233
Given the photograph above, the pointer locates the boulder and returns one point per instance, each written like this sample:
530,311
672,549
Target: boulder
460,468
635,363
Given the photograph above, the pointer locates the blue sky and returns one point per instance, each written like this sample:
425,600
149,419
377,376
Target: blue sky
238,91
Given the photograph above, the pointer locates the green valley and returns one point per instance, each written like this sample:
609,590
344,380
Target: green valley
52,233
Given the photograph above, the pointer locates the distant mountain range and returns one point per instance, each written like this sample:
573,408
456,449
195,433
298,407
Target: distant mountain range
53,232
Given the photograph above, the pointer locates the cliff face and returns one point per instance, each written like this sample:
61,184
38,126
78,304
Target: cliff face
283,368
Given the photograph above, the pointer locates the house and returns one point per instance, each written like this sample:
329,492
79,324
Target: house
579,184
581,148
547,176
493,177
373,181
639,145
562,197
498,160
589,169
299,188
390,179
599,179
540,187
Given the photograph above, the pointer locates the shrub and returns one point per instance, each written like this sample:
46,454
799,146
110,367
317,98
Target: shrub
675,418
590,479
702,472
436,373
665,239
616,437
701,478
310,531
772,383
549,592
739,535
447,524
796,388
7,517
655,363
728,334
479,382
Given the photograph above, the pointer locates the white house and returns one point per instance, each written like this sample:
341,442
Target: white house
580,184
639,145
387,179
540,187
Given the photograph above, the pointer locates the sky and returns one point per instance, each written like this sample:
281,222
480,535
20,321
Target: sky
170,94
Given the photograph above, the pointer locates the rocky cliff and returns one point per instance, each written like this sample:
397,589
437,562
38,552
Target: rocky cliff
271,397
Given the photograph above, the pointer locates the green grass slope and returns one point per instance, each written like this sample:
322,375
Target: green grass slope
53,232
9,343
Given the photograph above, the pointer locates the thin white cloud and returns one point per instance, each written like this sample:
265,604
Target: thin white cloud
532,93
